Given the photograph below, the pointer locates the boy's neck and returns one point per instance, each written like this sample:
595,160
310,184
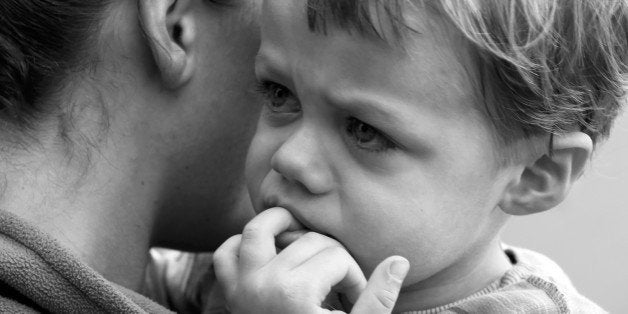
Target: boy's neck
456,282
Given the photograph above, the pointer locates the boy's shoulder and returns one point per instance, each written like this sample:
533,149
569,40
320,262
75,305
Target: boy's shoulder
538,284
535,284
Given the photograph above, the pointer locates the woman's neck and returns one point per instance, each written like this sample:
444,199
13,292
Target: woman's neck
456,282
101,209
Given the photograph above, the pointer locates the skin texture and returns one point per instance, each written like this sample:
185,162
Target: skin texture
208,143
357,143
148,148
258,278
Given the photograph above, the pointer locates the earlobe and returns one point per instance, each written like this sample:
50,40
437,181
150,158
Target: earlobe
547,181
170,32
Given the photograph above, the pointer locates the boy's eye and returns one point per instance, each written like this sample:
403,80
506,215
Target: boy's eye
278,98
367,137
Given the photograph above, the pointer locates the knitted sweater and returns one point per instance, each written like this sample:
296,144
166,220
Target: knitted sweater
38,275
535,284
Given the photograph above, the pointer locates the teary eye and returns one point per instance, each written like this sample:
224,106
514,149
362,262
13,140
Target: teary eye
367,137
278,98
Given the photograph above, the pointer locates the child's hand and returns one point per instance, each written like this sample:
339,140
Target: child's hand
257,279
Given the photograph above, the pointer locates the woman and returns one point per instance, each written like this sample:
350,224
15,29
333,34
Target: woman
123,125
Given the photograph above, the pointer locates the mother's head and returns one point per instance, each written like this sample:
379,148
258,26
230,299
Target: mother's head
126,121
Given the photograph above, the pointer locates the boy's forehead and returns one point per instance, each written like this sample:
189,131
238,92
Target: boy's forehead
283,13
390,21
434,45
290,19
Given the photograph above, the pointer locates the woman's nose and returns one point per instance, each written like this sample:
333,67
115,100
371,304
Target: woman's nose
300,160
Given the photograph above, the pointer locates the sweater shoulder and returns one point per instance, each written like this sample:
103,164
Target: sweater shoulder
535,284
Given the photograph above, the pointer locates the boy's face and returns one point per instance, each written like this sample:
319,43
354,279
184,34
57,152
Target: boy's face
381,149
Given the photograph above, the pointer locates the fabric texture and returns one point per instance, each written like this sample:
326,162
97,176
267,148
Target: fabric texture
535,284
38,275
184,282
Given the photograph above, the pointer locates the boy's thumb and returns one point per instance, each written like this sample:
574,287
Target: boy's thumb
382,289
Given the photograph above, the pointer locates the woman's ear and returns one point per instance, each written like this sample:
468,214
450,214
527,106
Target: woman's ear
547,181
169,27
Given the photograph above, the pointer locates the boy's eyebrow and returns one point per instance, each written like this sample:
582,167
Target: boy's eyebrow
267,65
259,57
367,104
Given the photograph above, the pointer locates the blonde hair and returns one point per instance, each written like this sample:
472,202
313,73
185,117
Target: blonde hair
548,66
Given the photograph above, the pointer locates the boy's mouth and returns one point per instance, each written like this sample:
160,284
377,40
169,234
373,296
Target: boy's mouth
288,237
271,201
283,240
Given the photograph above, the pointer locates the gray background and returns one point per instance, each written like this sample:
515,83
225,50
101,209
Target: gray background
587,235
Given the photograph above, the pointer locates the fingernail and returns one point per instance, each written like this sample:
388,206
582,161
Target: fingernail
399,268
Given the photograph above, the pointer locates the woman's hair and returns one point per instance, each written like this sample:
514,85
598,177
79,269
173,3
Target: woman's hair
41,41
547,66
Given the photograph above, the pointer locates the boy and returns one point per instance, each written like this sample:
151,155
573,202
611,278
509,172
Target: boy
416,128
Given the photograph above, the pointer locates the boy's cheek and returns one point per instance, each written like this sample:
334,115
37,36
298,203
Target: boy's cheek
257,167
254,178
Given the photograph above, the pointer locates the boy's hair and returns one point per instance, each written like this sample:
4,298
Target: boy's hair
546,66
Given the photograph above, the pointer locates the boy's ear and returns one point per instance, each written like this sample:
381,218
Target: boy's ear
546,182
171,32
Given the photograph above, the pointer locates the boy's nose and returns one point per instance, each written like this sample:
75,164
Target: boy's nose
299,159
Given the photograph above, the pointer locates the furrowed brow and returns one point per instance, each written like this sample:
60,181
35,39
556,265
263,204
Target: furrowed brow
366,104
